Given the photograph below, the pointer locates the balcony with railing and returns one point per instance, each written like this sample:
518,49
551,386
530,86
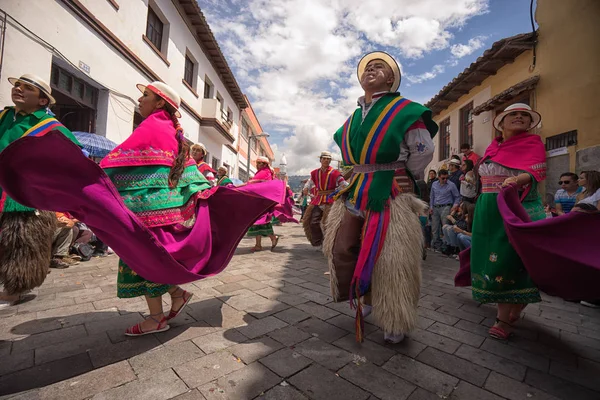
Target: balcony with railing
217,119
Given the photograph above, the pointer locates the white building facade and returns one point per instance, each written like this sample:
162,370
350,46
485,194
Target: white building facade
94,52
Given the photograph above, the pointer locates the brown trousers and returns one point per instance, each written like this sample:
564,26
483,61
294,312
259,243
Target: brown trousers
345,252
316,233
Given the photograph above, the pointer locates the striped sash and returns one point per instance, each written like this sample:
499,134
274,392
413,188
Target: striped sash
43,127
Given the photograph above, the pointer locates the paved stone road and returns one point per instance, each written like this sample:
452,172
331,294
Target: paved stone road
267,329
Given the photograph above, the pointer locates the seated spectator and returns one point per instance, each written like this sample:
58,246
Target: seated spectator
450,240
468,186
464,235
566,197
468,153
63,237
589,199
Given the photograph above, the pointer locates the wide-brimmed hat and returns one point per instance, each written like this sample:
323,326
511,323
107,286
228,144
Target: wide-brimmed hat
37,82
166,92
455,161
263,159
536,118
386,58
325,154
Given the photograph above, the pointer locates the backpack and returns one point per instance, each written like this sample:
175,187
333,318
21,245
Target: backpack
83,250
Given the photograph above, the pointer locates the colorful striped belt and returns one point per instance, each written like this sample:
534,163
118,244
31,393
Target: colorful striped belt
367,168
492,184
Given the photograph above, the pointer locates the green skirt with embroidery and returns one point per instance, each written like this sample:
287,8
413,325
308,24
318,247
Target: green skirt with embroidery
146,192
497,272
261,230
130,284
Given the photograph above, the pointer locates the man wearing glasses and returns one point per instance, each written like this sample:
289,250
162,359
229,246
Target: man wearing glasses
444,199
566,197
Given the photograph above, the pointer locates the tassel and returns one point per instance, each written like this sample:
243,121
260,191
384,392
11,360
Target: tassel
359,321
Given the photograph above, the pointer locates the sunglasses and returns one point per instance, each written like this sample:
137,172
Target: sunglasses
564,182
443,179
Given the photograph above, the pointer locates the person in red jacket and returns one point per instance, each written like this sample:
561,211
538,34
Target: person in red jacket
198,153
323,181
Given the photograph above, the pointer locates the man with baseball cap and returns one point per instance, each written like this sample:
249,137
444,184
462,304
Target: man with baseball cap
373,237
27,234
324,181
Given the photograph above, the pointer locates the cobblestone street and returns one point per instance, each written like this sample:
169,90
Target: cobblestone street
266,328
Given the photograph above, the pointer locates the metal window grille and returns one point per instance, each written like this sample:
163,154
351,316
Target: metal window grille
188,74
445,139
561,140
154,29
466,124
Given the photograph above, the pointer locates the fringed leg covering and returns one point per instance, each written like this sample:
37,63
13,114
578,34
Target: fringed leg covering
396,280
25,249
332,225
306,222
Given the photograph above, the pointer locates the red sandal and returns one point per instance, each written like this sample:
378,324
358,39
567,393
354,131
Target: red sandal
497,332
186,300
136,330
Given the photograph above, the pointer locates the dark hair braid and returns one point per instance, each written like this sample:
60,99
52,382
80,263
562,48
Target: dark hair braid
183,151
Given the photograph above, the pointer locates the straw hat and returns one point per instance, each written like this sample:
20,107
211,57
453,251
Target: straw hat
166,92
386,58
263,159
37,82
536,118
455,161
325,154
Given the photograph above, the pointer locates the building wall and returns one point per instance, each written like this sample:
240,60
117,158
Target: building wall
568,59
110,72
483,129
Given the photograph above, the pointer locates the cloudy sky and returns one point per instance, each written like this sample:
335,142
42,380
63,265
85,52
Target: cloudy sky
296,59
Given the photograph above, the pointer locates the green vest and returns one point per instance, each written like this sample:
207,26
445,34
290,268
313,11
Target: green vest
13,127
377,140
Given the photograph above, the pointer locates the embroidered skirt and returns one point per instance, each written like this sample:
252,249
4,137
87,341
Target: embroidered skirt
497,273
130,284
261,230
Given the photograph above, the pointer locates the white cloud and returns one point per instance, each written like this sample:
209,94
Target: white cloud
435,71
461,50
296,59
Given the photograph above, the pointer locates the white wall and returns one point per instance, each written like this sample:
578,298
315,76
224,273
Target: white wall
54,22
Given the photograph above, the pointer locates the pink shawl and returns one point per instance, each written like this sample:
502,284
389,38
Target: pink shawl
265,174
524,151
153,142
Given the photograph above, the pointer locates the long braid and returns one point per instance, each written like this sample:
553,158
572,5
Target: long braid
183,151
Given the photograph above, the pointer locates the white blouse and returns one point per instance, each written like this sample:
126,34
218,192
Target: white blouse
493,169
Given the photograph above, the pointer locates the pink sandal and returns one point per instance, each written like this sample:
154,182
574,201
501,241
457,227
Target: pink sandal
186,300
136,330
497,332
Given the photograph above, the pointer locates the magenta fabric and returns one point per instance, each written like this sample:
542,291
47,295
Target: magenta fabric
285,212
264,175
153,142
560,254
524,152
63,179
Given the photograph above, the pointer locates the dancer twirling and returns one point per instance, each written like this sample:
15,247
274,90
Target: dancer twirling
324,180
373,236
264,226
143,204
27,233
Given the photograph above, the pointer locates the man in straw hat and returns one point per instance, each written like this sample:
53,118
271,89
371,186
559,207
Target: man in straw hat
324,181
223,177
198,153
373,235
27,234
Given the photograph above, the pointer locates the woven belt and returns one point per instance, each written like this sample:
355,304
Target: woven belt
367,168
492,184
324,192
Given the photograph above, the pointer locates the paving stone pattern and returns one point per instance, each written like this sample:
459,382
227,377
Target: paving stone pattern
266,328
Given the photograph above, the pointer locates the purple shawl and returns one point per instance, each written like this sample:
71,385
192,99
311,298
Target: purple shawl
63,179
560,254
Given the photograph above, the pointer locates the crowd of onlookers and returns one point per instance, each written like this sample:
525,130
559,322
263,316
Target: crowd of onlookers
74,242
451,194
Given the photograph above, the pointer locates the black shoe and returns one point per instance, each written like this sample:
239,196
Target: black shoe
99,254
